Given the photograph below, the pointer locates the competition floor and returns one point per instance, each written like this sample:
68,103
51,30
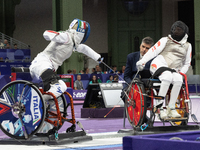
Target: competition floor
104,133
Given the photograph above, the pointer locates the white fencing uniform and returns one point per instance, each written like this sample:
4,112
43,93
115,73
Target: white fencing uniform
59,49
175,55
173,52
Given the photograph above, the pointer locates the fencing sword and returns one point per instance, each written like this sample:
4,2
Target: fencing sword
129,85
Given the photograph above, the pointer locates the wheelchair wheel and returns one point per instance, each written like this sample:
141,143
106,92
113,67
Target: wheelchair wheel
52,108
22,109
136,105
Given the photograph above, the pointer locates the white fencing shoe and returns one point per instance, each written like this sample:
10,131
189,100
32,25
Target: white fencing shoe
173,113
163,114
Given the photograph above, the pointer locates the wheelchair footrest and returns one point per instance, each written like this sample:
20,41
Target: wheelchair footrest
175,119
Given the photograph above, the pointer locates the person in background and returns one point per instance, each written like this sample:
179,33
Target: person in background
110,79
6,44
132,58
69,71
93,70
74,71
94,79
114,69
87,70
116,78
123,69
81,72
122,72
101,70
97,70
15,46
78,84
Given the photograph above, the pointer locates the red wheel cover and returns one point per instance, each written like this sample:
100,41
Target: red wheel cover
136,101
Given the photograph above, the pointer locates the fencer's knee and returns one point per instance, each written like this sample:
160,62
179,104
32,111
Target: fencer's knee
62,85
166,76
49,78
177,78
58,88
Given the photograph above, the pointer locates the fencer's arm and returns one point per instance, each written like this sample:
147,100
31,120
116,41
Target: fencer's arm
154,50
187,62
82,48
60,37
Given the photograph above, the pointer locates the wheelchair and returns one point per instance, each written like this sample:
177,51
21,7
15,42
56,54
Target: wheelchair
24,113
140,97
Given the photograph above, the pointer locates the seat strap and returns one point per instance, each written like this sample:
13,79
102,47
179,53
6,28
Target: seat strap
160,70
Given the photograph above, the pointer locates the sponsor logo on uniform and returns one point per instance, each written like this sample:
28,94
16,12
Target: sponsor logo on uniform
81,30
154,66
59,90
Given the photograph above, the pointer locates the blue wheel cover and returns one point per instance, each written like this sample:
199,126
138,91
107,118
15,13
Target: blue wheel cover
31,101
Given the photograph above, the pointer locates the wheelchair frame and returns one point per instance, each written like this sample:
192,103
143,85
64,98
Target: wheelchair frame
16,117
136,103
61,119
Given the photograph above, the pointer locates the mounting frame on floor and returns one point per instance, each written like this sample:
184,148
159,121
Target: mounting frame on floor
44,139
160,129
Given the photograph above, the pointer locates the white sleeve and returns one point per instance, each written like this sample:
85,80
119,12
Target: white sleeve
154,50
82,48
60,37
187,62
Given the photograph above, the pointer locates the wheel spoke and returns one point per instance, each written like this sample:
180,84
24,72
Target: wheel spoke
23,127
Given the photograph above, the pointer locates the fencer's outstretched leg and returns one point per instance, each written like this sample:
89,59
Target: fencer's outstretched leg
162,92
171,111
166,80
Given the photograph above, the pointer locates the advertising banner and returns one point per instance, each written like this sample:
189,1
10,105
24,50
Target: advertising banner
79,94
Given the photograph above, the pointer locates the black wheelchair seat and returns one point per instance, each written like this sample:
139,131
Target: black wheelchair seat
149,83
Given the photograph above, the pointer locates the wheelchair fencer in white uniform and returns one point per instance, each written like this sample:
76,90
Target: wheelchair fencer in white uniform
60,48
173,52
